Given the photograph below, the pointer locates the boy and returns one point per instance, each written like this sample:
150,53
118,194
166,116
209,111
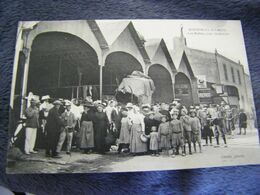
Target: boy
164,135
176,132
185,119
195,129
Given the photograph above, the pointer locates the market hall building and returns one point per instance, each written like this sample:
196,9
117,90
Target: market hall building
74,59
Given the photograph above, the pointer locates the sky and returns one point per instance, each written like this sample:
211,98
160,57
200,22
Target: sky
224,35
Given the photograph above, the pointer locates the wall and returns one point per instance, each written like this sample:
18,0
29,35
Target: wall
203,63
236,67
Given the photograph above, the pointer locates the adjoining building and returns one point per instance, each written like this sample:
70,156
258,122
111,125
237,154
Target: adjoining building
218,77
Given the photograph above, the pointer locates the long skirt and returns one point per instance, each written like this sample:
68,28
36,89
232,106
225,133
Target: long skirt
136,145
124,137
86,136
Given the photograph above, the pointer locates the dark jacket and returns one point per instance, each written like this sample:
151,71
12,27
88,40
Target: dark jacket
149,123
54,121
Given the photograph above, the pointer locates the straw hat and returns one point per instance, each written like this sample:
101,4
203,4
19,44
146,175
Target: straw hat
46,97
67,103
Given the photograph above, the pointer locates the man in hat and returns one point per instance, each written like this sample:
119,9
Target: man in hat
116,117
146,108
46,105
44,110
53,126
32,123
69,123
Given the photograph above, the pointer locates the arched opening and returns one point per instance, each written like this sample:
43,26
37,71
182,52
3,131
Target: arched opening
117,66
163,84
182,89
62,65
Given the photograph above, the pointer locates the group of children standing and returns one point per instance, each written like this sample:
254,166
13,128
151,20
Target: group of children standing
175,133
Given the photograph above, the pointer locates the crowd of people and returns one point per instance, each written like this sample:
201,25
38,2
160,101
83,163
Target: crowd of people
97,126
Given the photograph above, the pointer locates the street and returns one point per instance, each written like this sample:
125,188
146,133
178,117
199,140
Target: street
242,149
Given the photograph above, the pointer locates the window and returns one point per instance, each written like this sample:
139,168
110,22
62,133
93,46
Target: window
233,75
239,78
225,71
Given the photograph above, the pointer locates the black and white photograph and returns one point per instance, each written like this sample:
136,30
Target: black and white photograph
92,96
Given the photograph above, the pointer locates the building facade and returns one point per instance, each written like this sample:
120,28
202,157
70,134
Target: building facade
224,79
73,59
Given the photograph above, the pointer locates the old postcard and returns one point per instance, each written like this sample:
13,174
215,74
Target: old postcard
130,95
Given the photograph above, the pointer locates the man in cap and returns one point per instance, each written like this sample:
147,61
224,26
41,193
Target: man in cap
69,123
53,126
32,123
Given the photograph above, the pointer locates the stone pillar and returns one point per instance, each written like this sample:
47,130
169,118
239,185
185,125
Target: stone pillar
27,52
100,82
18,48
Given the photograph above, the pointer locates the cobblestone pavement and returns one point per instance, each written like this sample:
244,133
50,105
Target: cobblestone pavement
242,149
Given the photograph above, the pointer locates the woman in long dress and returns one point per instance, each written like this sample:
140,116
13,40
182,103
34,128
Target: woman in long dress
101,125
137,129
86,137
124,137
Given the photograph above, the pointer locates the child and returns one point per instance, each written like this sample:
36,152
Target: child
208,133
154,141
195,129
176,133
164,135
185,119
